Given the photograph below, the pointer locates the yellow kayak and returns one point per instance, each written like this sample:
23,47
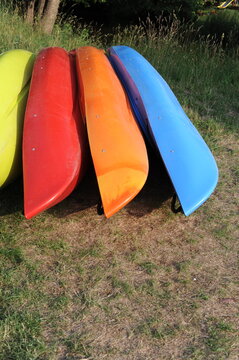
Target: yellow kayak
15,73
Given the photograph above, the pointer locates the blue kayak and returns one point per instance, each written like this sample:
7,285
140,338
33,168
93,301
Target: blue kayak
187,158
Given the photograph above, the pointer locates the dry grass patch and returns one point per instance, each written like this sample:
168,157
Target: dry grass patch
144,284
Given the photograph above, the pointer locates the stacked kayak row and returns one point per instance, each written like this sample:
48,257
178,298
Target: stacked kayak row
86,101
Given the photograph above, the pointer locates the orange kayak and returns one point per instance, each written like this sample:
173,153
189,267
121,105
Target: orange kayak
117,147
54,137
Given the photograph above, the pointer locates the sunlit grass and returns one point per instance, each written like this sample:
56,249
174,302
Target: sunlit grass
15,34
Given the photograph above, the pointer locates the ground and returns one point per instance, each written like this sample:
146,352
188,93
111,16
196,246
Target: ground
144,284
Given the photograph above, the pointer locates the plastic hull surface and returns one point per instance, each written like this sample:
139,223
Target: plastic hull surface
117,147
189,162
15,73
54,139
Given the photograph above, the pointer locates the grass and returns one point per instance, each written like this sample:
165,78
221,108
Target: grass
222,26
16,34
144,284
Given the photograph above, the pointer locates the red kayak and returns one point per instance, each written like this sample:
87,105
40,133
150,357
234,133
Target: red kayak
54,137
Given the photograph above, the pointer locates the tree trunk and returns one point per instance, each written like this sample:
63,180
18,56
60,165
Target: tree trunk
49,17
29,18
40,8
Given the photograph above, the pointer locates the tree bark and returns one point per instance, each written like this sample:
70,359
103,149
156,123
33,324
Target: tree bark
40,8
49,17
29,18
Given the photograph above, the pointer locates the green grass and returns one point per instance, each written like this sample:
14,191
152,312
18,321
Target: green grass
221,26
145,283
16,34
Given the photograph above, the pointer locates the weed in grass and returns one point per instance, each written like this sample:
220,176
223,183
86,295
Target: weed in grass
182,266
161,295
148,327
80,269
166,284
59,302
86,298
183,281
135,254
223,232
191,240
193,305
203,296
121,287
148,267
15,255
76,346
193,352
92,251
219,337
149,287
154,328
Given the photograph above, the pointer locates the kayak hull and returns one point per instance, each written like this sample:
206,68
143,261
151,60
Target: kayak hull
54,138
117,147
187,158
15,73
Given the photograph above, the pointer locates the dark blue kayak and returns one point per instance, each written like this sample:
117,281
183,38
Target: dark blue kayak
187,158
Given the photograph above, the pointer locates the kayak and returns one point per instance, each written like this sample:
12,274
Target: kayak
187,158
117,147
54,136
15,73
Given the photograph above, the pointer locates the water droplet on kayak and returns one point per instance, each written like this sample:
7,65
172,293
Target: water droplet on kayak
34,115
103,150
33,149
172,151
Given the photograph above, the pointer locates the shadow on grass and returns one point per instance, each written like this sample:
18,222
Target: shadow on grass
85,195
11,198
156,191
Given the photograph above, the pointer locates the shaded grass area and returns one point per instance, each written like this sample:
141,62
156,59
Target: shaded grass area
222,26
146,283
